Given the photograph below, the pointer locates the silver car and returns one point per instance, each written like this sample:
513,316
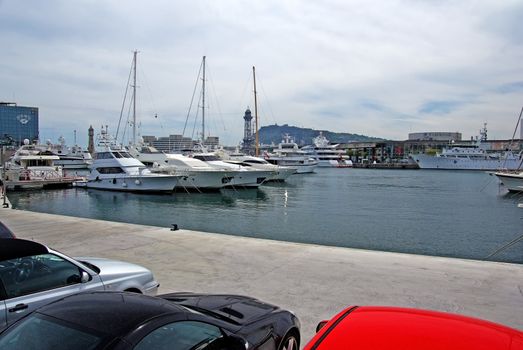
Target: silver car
32,275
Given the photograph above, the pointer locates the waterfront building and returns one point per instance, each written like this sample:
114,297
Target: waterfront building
435,136
17,123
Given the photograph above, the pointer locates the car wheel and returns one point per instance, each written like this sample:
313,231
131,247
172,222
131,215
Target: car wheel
290,342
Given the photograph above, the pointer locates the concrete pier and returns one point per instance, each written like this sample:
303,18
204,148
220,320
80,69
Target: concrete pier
314,281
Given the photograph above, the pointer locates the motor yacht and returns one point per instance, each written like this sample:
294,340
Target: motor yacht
280,173
30,167
244,177
195,175
289,154
327,155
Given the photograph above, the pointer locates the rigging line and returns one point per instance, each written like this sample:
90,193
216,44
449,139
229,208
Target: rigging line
148,89
513,137
127,121
192,98
124,98
268,102
215,97
195,121
506,246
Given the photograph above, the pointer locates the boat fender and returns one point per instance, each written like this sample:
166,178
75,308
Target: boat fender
114,181
124,184
138,182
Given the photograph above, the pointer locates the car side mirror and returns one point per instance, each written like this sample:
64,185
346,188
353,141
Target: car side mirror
84,278
321,325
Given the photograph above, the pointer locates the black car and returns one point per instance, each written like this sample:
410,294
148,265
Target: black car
5,232
181,321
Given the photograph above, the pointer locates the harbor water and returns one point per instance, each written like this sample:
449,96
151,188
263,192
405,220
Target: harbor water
463,214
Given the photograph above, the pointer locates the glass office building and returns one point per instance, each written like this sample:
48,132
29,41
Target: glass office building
17,123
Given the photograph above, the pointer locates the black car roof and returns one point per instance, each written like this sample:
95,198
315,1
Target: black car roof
18,248
113,313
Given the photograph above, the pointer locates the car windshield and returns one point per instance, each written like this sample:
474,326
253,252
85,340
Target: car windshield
39,332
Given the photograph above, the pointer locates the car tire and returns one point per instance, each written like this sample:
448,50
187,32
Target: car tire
289,342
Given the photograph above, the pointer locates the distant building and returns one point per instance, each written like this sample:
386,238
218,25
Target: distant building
17,123
435,136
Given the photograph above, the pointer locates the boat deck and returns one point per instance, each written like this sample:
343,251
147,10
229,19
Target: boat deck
314,281
40,183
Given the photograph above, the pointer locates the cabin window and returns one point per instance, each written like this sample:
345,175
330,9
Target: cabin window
110,170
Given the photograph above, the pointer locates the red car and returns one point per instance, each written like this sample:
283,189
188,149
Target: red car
394,328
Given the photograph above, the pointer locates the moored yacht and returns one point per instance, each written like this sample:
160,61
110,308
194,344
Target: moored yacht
30,167
280,173
244,177
327,155
70,158
195,175
117,170
513,181
289,154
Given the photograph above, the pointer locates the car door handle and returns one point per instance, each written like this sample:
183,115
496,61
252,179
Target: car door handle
19,307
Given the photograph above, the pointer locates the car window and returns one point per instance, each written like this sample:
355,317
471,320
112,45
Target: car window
5,232
31,274
184,335
40,333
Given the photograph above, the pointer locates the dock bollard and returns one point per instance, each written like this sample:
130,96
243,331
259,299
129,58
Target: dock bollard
174,227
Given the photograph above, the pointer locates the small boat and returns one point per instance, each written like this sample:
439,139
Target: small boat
289,154
327,155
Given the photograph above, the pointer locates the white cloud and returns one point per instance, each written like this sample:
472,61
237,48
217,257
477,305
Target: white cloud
367,67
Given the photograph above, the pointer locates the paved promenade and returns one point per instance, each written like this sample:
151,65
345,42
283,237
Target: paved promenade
313,281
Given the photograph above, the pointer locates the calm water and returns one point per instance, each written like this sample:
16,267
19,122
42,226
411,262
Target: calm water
444,213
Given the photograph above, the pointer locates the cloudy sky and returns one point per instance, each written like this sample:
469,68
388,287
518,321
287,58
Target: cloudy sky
380,68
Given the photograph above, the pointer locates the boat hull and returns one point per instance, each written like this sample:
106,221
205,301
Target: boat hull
159,183
513,182
425,161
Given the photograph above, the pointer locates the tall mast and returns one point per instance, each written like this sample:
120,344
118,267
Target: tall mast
203,103
134,97
256,143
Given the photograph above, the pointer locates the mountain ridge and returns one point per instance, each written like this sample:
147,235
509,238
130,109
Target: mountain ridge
273,134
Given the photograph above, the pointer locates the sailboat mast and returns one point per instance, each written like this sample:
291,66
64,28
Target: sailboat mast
134,97
256,143
203,103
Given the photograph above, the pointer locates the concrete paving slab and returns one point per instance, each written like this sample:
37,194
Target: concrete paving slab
314,281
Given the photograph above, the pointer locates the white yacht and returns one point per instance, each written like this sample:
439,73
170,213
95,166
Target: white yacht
289,154
30,167
327,155
195,175
513,181
243,177
117,170
280,173
71,158
469,157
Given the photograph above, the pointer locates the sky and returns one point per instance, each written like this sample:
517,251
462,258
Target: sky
378,68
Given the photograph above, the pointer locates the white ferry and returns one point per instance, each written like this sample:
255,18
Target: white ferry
469,157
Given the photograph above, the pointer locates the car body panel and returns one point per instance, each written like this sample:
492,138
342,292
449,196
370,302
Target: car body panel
125,320
402,328
103,274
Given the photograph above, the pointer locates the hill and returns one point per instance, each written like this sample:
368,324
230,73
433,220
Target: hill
303,136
